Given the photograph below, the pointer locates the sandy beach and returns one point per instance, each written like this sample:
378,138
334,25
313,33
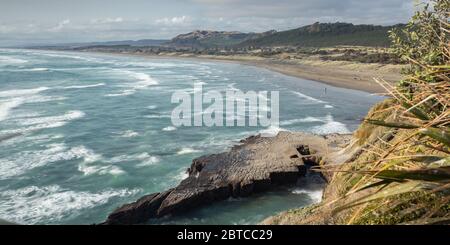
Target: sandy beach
351,75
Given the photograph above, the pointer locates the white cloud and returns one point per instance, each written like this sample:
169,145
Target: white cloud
177,20
108,20
6,28
60,26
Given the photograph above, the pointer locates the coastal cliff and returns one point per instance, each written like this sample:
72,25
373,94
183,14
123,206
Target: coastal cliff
256,165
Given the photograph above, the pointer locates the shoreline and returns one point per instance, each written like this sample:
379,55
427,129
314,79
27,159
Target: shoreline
337,74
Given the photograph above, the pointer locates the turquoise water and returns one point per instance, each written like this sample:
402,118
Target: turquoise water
81,134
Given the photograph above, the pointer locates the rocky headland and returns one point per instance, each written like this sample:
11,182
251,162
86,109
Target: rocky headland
257,164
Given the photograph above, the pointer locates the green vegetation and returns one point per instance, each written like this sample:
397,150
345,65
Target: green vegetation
365,57
326,35
403,175
212,39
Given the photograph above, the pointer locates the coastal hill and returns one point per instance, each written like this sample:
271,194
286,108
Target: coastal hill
326,35
211,39
315,35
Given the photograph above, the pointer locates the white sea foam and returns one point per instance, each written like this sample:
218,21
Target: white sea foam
169,128
128,134
39,69
6,107
87,169
10,99
22,92
8,60
123,93
38,123
315,195
271,131
328,106
25,161
50,204
144,158
143,82
309,98
301,120
147,160
84,86
68,116
158,116
42,98
91,164
182,175
34,140
152,107
330,126
187,150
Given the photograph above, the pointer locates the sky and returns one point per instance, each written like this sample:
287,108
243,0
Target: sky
64,21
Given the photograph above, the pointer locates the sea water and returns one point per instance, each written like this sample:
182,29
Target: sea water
82,134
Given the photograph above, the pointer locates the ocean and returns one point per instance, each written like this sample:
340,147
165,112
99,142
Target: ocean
82,134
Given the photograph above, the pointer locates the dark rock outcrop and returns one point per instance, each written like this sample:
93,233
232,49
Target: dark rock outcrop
256,165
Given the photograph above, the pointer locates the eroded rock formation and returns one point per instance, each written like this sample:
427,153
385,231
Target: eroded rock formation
256,165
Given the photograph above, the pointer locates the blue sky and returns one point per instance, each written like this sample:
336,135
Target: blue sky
54,21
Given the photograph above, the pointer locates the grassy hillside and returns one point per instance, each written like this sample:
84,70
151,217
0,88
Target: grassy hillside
398,170
326,35
212,39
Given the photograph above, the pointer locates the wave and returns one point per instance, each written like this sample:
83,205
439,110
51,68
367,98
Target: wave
301,120
22,162
144,158
169,128
143,82
69,56
39,123
149,160
10,99
330,126
187,150
51,204
315,195
271,131
6,107
123,93
158,116
7,60
22,92
306,97
84,86
19,138
68,116
87,167
328,106
182,175
40,69
128,134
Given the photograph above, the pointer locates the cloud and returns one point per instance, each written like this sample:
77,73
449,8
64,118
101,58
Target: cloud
107,20
60,26
177,20
6,29
358,11
94,20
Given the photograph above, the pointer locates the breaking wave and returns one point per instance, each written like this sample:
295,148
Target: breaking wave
50,204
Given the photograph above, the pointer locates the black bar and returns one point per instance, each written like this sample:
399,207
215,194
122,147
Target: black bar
227,234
